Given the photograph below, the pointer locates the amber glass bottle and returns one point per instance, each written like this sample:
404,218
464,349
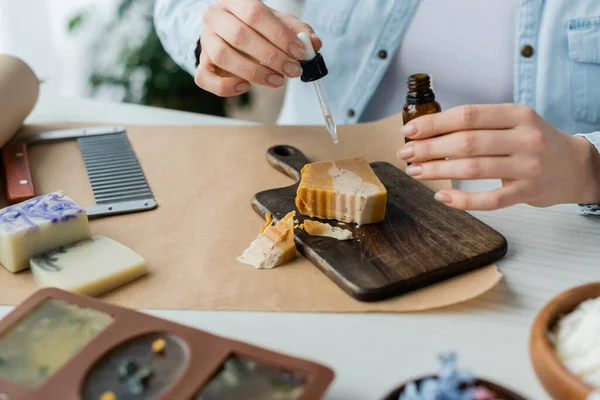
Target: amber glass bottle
420,99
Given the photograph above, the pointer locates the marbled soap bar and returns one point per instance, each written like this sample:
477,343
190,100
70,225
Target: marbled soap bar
274,246
90,267
38,225
345,190
245,379
44,340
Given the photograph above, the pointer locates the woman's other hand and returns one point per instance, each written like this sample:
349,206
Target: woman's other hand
245,42
538,164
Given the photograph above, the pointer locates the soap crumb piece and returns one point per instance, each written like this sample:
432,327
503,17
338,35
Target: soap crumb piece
108,396
273,247
315,228
268,222
158,345
341,223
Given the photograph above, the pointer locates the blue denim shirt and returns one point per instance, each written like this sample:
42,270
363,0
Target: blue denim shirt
561,80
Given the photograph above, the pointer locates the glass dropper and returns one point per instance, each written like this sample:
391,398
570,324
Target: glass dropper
314,70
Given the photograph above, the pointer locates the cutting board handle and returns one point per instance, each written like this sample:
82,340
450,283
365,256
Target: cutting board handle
19,184
287,159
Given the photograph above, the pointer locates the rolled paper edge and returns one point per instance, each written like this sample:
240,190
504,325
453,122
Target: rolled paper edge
19,94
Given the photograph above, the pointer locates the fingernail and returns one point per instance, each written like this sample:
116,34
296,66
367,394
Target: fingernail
413,170
314,36
296,51
408,130
405,153
292,70
242,87
275,80
442,197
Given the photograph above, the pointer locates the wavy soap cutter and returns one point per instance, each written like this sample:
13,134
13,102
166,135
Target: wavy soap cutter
117,179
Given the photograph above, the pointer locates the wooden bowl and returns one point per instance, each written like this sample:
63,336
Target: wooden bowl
558,381
505,394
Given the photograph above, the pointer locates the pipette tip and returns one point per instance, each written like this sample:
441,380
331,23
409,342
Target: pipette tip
332,128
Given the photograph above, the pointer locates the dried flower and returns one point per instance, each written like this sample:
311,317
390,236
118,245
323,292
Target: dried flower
451,383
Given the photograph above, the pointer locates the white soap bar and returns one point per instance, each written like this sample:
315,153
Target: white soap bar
90,267
38,225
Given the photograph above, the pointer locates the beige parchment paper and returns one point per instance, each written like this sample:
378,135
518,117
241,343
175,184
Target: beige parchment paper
203,178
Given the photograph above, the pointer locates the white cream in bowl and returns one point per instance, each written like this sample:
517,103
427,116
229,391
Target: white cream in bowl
576,340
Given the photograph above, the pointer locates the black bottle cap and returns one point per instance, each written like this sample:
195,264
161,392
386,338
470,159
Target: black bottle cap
313,70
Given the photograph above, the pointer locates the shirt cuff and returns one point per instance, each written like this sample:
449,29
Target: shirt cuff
591,209
192,30
179,25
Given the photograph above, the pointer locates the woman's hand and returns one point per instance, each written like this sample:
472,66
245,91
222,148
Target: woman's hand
245,41
538,164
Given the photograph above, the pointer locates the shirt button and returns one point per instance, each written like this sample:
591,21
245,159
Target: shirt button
382,54
527,51
351,113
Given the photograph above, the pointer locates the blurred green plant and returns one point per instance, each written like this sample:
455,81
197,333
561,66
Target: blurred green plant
140,69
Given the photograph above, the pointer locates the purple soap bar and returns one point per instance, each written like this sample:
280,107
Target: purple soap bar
38,225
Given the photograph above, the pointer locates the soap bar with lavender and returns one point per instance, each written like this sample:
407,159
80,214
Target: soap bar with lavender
38,225
90,267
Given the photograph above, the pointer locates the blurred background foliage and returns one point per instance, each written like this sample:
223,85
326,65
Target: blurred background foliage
128,63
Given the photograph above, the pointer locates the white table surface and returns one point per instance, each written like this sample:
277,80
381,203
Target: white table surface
550,250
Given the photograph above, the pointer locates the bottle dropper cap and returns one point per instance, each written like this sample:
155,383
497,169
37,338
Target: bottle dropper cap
313,64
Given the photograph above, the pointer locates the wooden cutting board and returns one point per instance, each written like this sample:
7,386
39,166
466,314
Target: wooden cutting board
420,241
